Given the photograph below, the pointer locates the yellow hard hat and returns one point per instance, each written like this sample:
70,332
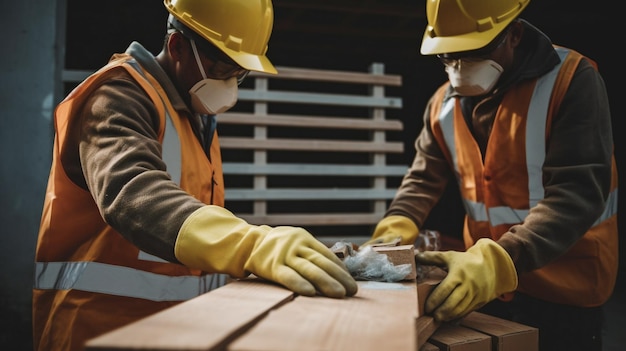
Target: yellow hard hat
464,25
239,28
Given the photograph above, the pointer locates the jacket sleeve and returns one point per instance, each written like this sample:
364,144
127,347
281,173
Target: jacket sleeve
426,179
576,175
120,164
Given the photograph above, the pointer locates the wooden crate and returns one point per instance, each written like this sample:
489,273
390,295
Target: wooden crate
505,335
314,148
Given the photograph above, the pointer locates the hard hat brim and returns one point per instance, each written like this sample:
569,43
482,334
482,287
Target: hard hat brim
435,45
259,63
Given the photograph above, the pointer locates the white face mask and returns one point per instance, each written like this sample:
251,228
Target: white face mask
473,78
212,96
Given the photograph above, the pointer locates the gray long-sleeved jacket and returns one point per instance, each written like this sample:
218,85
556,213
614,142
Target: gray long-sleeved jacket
117,156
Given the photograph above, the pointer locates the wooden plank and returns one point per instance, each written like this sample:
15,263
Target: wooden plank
428,347
228,142
452,337
426,325
207,322
72,75
310,194
332,76
319,98
506,335
300,219
309,121
381,316
313,169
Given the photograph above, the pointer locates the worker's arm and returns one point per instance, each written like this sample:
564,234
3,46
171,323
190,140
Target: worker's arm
119,162
214,240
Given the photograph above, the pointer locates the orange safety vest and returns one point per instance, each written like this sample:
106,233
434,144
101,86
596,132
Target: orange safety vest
88,278
495,197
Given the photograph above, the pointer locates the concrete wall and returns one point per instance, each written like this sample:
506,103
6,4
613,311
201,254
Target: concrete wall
27,83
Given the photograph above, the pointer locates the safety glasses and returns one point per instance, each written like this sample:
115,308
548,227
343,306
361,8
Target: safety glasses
223,67
453,59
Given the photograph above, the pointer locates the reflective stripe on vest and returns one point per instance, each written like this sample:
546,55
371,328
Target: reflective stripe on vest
171,153
122,281
171,149
610,209
535,150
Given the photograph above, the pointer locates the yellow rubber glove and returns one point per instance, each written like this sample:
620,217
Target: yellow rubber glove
214,240
475,277
393,229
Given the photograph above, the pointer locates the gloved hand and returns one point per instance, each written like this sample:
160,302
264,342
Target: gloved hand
394,228
214,240
475,277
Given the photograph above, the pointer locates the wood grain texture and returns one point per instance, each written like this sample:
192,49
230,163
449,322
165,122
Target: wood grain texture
452,337
426,326
206,322
333,76
381,316
506,335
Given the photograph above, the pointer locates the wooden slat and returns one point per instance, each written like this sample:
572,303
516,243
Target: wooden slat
319,98
72,75
309,121
312,169
263,141
426,325
381,316
207,322
332,76
506,335
451,336
310,145
309,194
301,219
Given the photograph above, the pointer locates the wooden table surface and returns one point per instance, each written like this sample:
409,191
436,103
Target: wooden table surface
256,315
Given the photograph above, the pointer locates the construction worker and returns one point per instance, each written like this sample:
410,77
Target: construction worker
133,220
523,126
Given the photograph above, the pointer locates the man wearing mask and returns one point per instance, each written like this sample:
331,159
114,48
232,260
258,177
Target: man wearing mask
133,220
523,127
